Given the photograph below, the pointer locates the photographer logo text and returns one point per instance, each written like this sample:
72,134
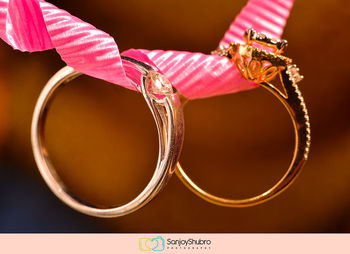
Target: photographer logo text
159,244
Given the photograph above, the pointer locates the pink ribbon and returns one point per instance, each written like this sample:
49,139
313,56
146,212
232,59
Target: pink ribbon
35,25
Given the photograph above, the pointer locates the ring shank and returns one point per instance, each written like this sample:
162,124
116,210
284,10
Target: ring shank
294,103
168,116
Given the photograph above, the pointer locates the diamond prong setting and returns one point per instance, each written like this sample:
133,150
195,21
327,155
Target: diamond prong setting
293,72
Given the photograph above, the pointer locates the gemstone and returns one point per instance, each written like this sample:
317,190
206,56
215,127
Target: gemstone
293,72
159,84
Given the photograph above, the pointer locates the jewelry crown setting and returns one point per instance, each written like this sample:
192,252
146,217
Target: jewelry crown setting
260,59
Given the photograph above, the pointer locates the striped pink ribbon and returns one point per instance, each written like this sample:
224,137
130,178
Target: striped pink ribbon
35,25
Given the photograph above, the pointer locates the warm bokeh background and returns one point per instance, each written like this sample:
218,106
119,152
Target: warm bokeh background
103,140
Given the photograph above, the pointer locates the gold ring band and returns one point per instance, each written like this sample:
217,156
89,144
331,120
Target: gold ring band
262,66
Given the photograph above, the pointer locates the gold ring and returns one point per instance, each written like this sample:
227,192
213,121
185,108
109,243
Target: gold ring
262,66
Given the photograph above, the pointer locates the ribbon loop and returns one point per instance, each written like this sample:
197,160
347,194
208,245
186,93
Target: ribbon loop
36,25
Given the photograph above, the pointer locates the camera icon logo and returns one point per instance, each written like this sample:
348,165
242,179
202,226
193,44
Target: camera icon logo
152,244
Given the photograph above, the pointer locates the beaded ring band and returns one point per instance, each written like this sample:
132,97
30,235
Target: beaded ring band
261,66
165,106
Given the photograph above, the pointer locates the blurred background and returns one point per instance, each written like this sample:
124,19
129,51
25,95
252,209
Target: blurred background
103,141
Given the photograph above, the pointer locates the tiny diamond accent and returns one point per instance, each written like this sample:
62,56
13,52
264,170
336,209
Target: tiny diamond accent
293,72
